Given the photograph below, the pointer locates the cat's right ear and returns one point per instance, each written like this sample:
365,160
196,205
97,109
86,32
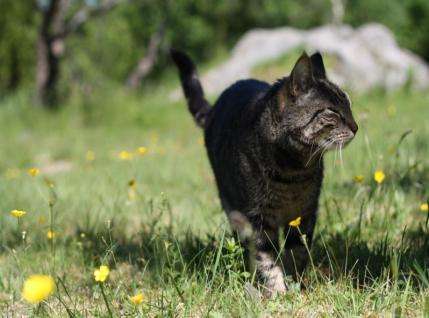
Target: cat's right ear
318,66
301,78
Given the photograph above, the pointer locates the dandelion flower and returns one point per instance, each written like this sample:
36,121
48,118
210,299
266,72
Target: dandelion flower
132,190
90,155
18,213
379,176
33,172
50,235
424,207
37,288
201,141
296,222
101,274
141,151
137,299
125,155
358,178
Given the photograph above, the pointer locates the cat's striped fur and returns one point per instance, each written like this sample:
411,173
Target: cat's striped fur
265,144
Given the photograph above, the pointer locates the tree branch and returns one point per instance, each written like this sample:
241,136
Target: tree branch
146,64
81,16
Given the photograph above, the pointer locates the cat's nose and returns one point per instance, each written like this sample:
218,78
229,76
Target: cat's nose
353,126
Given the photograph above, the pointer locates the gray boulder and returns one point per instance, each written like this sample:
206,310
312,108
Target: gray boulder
365,58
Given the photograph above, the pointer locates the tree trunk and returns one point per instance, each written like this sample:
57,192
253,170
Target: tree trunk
50,47
337,11
146,64
14,71
50,44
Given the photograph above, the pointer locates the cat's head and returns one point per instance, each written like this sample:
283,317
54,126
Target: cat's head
314,112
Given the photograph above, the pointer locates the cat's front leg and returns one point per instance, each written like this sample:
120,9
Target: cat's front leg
269,269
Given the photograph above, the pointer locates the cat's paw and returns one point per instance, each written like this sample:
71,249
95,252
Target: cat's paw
274,289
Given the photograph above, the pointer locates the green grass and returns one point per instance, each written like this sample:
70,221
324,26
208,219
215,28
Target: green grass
173,243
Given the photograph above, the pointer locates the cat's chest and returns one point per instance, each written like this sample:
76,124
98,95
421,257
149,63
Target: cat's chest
287,201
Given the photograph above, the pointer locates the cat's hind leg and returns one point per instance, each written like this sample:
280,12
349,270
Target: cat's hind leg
262,247
296,253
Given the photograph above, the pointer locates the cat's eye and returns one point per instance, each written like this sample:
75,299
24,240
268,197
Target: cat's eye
329,115
329,118
335,113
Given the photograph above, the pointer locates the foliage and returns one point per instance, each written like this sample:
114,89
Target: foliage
17,43
407,19
109,47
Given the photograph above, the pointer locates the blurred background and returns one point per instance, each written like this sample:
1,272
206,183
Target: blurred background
67,50
90,101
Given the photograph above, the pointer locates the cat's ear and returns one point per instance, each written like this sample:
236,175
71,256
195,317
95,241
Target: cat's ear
318,66
301,78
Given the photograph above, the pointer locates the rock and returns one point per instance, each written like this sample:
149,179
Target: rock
364,58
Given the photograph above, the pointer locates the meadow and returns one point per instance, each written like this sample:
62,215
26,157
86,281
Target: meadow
153,217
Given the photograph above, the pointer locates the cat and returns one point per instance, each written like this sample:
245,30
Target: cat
265,144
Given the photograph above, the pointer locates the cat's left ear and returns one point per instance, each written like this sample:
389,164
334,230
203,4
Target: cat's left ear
318,66
301,78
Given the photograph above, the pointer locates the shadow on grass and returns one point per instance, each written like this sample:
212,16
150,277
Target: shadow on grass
347,255
338,256
164,254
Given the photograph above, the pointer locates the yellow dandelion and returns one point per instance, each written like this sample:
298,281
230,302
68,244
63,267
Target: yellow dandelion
37,288
201,141
379,176
137,299
50,235
33,172
101,274
296,222
125,155
132,183
424,207
90,155
18,213
358,178
141,151
132,190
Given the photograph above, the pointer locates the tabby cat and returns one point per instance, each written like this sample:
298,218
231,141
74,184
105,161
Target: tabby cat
265,144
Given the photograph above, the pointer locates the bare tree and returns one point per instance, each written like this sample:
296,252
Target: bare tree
146,64
54,29
338,8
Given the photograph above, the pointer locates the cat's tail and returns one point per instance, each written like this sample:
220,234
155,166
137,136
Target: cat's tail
197,104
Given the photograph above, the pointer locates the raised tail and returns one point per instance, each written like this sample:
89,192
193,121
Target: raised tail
197,104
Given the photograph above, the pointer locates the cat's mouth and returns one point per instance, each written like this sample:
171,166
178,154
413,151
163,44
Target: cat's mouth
337,142
340,142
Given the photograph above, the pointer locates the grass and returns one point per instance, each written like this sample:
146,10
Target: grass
171,240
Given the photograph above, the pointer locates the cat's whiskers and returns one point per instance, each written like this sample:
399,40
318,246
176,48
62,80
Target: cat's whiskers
312,154
326,147
318,148
335,154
